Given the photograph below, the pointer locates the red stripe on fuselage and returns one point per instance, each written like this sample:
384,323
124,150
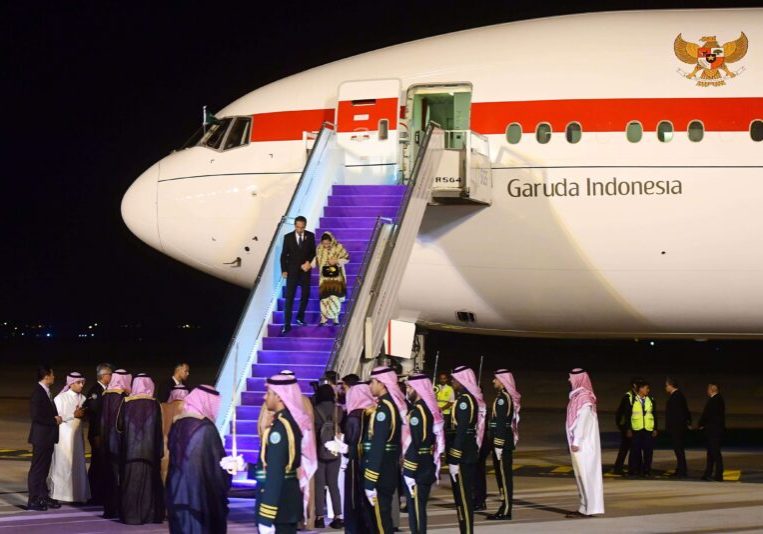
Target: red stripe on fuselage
288,125
594,115
614,114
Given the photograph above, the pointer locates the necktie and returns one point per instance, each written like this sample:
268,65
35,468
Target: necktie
299,240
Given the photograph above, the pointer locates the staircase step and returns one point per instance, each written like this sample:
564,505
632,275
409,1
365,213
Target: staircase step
313,305
313,372
287,358
311,317
366,201
297,343
342,234
314,294
246,427
351,212
256,396
304,331
345,222
248,413
354,245
244,441
376,190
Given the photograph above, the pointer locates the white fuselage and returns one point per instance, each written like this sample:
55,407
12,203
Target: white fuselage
661,239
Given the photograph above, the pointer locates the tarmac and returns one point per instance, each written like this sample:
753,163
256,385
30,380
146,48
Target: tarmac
544,488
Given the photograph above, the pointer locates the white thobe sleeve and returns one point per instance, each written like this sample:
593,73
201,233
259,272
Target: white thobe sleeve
583,426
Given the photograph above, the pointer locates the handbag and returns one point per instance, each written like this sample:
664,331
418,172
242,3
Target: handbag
330,271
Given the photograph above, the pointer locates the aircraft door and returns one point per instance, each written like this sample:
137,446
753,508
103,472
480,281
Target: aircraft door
449,105
367,125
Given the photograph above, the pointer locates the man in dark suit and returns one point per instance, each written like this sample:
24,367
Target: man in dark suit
179,378
43,436
677,422
623,422
95,474
713,423
297,255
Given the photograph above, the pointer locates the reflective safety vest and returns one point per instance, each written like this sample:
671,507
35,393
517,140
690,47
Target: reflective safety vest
642,414
445,396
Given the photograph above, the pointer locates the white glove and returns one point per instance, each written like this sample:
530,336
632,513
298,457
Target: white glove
233,464
371,496
343,447
332,446
337,446
344,462
411,483
498,453
266,530
454,470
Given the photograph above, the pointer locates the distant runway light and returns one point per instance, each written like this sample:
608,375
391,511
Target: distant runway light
651,343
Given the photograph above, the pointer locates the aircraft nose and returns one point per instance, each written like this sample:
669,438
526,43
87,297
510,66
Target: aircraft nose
139,207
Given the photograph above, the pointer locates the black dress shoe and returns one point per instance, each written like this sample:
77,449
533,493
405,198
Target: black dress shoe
52,503
479,507
285,330
499,517
319,523
300,322
37,505
707,478
337,523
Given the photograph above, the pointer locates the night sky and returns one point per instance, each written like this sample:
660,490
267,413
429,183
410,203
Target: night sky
95,92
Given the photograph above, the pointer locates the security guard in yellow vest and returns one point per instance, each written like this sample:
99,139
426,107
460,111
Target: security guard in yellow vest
446,397
643,430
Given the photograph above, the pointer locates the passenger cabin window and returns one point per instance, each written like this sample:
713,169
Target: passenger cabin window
634,131
665,131
514,133
238,134
574,132
383,129
756,131
215,134
696,131
543,133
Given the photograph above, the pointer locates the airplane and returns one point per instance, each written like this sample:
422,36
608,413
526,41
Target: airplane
626,173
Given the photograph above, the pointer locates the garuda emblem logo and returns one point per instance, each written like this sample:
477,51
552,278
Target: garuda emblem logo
711,58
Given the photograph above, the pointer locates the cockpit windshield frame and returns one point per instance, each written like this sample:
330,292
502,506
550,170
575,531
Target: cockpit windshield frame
229,123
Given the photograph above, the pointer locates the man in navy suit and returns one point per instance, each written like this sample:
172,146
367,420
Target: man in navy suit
297,256
713,423
43,436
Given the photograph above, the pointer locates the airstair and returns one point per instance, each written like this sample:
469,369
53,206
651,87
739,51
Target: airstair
377,219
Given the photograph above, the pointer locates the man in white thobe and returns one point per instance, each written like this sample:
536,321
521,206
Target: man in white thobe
68,472
585,446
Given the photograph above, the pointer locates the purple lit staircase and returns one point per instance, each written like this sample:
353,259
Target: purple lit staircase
350,214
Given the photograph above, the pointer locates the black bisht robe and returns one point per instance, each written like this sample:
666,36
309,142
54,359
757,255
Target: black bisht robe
95,473
141,490
197,487
110,451
357,510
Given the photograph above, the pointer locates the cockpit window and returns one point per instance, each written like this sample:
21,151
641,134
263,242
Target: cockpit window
215,134
194,139
238,134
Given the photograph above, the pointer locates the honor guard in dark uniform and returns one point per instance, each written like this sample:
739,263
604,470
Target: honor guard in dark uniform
381,471
279,499
357,510
463,453
420,470
503,443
